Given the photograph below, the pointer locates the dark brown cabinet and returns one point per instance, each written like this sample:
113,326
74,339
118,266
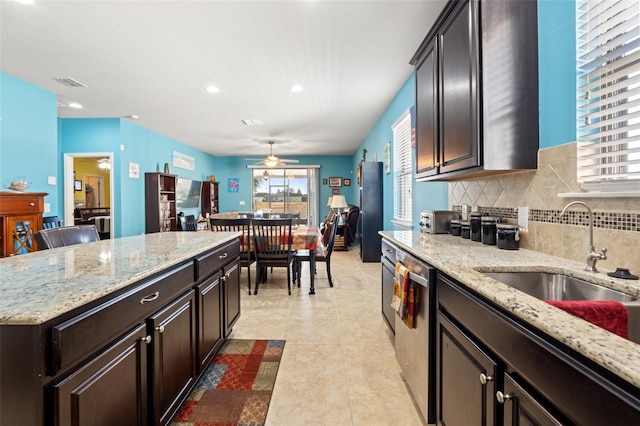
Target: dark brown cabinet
160,202
477,91
209,302
495,369
210,201
370,210
231,296
464,373
20,218
120,373
173,356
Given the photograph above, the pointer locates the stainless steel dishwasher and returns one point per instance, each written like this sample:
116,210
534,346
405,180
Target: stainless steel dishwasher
415,347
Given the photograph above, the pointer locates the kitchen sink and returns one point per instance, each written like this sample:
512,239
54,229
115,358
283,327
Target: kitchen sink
551,286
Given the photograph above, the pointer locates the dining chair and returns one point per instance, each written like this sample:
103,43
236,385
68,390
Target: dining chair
247,255
49,222
272,247
188,223
322,255
66,236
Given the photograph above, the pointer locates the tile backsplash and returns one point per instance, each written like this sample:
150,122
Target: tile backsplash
616,220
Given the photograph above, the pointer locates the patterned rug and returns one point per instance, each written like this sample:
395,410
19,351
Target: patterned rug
236,387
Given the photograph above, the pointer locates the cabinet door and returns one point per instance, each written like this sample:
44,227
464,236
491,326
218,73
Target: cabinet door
109,390
427,113
19,238
459,147
209,298
521,408
173,357
465,379
387,293
231,296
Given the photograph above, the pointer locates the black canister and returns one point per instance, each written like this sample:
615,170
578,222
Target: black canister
508,236
476,226
489,230
455,227
465,229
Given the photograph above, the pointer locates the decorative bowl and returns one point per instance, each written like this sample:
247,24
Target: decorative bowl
19,185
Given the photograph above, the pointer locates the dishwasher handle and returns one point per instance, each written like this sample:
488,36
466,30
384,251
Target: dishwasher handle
418,279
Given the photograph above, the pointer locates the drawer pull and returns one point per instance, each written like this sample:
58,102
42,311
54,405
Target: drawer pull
32,204
150,298
160,329
503,397
484,378
146,340
223,256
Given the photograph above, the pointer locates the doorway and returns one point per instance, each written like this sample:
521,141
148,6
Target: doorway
96,169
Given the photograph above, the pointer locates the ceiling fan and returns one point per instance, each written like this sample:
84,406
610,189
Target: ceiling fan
272,160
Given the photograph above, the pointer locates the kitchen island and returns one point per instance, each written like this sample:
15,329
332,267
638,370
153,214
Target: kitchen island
116,331
516,332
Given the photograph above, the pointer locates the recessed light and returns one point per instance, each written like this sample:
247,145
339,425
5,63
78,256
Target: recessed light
75,105
132,117
252,121
297,88
212,89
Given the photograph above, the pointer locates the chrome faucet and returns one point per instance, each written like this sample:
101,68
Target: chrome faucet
592,257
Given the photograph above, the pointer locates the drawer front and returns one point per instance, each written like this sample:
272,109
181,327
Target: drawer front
87,332
214,260
22,205
389,251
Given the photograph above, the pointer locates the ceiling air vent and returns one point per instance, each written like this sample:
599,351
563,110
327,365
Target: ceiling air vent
252,122
68,81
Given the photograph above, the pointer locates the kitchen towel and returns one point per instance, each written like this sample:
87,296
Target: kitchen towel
608,314
405,296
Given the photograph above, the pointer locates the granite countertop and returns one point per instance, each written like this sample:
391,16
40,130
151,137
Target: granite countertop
465,260
37,287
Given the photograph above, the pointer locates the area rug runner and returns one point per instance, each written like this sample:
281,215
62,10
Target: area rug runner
236,387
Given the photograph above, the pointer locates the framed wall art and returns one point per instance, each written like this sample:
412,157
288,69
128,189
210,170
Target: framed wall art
347,182
325,181
335,182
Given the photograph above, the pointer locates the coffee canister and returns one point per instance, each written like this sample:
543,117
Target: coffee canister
508,236
489,230
465,229
454,227
476,226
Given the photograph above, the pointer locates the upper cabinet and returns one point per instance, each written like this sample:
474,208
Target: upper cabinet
477,91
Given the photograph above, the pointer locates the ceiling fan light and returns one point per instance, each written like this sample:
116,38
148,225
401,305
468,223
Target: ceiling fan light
271,162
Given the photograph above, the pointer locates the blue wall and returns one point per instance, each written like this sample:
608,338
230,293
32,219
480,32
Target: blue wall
28,137
330,166
557,72
425,195
149,149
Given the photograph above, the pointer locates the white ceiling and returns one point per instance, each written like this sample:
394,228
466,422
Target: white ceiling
155,58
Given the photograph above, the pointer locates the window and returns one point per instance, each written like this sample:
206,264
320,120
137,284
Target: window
402,170
608,53
286,190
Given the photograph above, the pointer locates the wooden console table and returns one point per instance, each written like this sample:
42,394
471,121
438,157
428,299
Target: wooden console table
343,238
20,218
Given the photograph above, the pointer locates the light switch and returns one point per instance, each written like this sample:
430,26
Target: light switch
47,207
121,147
51,180
242,202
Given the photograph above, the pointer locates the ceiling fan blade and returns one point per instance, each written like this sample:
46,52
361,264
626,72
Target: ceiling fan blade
284,160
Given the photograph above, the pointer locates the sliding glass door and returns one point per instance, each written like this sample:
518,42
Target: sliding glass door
291,190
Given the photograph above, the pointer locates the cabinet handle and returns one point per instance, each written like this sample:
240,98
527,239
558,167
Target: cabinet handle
503,397
484,378
150,298
32,204
160,329
224,256
146,340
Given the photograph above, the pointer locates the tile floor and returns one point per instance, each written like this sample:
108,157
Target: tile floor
339,366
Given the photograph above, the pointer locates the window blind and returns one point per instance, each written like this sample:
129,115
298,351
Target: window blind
608,54
402,168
